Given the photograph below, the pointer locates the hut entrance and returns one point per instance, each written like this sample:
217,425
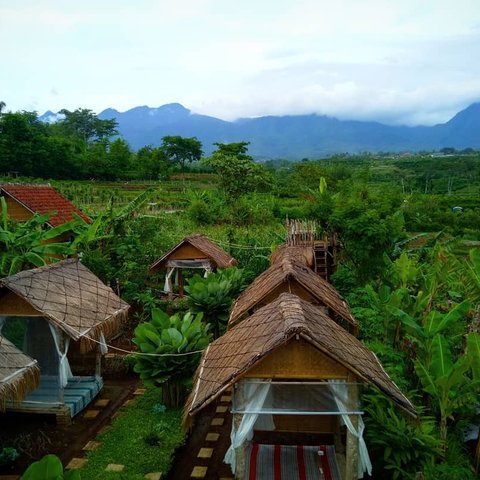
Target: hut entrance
306,416
174,280
59,391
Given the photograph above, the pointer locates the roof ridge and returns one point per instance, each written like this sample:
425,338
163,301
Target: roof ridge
33,271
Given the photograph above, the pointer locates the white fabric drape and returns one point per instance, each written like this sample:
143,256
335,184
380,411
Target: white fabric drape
103,344
174,265
256,394
64,369
340,394
168,282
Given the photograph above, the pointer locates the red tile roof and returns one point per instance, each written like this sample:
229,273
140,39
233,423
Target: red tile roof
44,199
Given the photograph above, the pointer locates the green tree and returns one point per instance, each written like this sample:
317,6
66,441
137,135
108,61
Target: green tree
86,126
237,172
182,150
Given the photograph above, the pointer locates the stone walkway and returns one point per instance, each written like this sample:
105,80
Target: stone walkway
202,455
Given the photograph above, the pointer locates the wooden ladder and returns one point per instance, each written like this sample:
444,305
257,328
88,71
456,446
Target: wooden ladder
321,259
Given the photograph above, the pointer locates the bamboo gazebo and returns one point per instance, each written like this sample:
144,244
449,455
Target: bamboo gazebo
295,375
193,252
60,308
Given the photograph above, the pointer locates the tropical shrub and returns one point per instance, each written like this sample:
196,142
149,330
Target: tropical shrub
399,445
213,296
169,352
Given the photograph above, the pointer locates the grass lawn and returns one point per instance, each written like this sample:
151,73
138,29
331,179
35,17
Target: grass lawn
143,439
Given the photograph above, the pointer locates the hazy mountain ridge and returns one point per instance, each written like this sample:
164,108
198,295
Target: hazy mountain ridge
293,136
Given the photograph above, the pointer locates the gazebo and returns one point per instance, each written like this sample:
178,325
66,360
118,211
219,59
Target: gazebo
288,274
295,375
193,252
54,308
19,374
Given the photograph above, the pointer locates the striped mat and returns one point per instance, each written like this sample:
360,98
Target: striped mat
291,462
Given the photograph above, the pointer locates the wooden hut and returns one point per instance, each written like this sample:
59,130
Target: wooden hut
19,374
287,274
294,374
55,307
23,201
193,252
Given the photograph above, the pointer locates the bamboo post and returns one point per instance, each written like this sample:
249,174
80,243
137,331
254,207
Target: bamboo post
351,459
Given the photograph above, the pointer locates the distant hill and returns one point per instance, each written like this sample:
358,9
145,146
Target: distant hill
293,137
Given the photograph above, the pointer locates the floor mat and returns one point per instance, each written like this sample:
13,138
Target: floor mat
291,462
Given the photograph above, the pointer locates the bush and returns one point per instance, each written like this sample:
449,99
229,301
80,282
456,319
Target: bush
169,336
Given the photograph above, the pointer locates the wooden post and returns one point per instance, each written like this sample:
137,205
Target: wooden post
239,452
181,291
98,362
351,459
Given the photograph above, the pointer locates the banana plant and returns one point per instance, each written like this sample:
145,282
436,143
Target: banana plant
28,244
167,343
422,331
446,380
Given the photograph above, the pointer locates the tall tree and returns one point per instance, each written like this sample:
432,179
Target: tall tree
182,150
237,171
85,126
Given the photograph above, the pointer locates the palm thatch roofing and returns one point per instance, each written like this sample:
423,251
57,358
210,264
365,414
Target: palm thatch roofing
304,254
19,374
70,296
207,247
286,270
231,356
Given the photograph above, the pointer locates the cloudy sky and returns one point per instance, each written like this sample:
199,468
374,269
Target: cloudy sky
396,61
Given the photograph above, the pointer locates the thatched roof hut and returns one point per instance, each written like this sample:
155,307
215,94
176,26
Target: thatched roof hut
194,252
19,374
195,248
303,254
289,275
274,331
25,200
70,296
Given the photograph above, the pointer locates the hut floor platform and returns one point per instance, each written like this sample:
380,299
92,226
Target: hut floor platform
295,462
77,394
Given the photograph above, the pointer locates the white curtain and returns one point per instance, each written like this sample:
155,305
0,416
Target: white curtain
65,371
103,344
340,394
167,288
256,393
175,264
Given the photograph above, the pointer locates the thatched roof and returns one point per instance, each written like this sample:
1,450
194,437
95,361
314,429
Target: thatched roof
69,295
232,355
209,249
43,199
304,254
285,270
19,374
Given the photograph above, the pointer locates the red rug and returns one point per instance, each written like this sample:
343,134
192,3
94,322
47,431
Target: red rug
291,462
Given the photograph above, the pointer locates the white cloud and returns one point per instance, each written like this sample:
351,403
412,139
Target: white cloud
401,61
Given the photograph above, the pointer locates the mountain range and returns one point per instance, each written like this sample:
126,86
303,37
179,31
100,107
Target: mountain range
292,136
